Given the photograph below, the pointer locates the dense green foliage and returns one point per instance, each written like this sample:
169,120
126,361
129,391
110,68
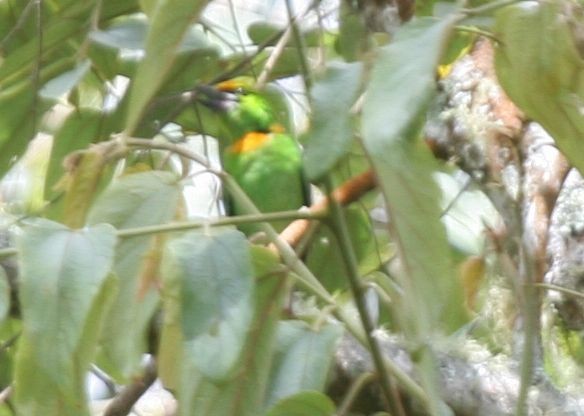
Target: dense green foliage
113,263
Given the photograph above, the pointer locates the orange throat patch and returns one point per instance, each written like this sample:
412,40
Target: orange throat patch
249,142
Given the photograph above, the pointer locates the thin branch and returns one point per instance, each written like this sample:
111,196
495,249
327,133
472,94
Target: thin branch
273,58
234,220
171,147
356,388
549,286
341,230
122,404
350,191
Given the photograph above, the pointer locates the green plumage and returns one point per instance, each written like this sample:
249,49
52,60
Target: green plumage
271,175
263,160
252,113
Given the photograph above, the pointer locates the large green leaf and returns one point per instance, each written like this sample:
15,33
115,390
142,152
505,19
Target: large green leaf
244,394
141,199
402,83
329,138
303,358
65,287
169,24
215,295
539,65
306,403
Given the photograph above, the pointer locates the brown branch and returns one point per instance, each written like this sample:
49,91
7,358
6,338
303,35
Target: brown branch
348,192
122,404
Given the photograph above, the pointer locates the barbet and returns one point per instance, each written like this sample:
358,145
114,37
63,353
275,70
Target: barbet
256,151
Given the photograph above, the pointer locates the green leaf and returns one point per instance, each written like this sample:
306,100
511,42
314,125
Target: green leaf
303,358
148,6
170,22
129,34
330,136
216,297
17,121
306,403
539,65
287,65
354,39
244,394
64,290
467,217
402,83
110,9
268,34
136,200
56,88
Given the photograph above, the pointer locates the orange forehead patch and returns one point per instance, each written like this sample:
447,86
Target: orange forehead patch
249,142
229,85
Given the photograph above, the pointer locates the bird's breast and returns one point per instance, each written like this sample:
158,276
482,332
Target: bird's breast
249,142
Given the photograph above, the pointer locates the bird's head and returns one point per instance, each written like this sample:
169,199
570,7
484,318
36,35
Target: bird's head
244,108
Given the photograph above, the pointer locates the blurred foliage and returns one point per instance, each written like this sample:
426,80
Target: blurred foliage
103,277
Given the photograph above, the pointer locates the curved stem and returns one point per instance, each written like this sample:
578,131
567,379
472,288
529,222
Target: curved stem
339,227
353,392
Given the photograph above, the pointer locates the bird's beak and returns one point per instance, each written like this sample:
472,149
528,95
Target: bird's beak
215,99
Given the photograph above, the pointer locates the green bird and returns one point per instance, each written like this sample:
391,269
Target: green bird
256,151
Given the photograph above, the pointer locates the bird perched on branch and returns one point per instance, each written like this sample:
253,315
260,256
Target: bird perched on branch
256,150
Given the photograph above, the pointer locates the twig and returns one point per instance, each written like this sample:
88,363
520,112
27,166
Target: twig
350,191
235,220
179,150
549,286
356,387
273,58
122,404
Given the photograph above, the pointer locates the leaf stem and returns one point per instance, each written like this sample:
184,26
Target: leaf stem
235,220
561,289
287,253
171,147
191,225
340,229
353,392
